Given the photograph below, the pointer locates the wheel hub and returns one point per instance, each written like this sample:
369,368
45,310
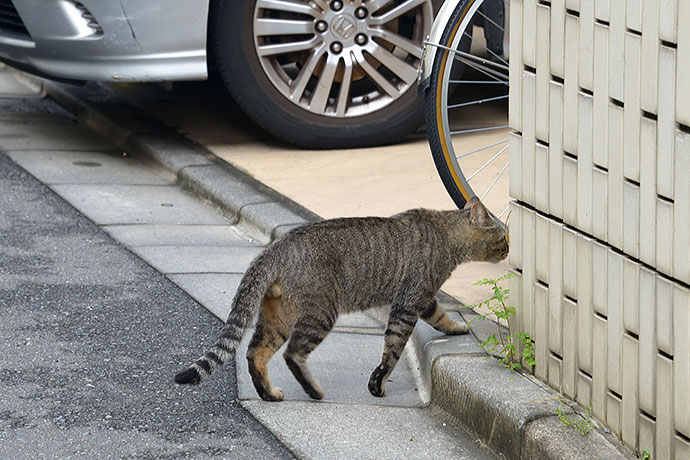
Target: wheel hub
343,58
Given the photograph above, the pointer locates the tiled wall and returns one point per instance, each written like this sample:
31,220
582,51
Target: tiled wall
600,229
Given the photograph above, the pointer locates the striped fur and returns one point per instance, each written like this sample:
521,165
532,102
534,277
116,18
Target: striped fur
303,281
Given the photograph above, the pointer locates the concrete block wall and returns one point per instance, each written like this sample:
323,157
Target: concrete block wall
600,222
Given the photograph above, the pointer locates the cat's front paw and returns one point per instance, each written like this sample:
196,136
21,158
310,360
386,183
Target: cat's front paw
376,383
458,329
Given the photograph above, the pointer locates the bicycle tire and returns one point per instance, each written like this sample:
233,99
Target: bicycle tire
446,164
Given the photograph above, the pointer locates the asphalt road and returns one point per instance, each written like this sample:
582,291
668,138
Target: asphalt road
90,337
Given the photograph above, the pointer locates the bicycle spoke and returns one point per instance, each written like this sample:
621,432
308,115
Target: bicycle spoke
481,149
477,82
503,212
479,12
478,101
476,130
486,48
495,180
487,163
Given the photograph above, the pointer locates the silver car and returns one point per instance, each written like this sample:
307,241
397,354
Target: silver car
312,72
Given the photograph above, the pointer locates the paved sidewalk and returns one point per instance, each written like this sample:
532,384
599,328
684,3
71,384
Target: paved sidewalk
513,414
205,250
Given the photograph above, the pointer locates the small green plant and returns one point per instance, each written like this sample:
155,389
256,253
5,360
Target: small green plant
584,425
645,455
496,343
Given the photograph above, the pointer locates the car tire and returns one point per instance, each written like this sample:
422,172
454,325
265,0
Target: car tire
232,49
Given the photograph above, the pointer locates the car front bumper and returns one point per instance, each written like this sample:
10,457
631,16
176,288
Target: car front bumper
121,40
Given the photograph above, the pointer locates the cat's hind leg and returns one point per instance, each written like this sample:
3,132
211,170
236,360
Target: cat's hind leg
434,315
309,332
401,322
271,333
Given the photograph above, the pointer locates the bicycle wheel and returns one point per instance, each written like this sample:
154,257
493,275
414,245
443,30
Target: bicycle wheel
466,104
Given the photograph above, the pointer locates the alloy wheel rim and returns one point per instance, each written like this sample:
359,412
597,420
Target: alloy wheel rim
343,58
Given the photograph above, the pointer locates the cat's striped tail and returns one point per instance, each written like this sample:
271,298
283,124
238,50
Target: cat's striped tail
255,282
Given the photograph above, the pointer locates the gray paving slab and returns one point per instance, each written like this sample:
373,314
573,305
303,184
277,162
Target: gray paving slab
268,217
359,320
171,153
327,431
211,183
342,364
177,235
84,167
33,109
198,259
138,204
22,134
212,290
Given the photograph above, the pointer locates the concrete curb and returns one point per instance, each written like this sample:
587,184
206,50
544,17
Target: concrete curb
513,414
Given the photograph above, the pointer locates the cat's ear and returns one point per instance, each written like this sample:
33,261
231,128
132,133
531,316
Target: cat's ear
474,200
479,215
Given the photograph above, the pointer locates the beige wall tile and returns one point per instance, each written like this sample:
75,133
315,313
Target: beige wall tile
528,276
586,48
647,348
600,98
664,236
664,403
543,68
541,177
515,64
633,15
681,358
541,248
515,170
682,80
584,303
570,187
557,30
570,263
599,203
570,85
681,208
555,370
615,177
629,395
584,389
601,10
617,49
666,122
599,367
555,260
631,114
515,233
584,163
529,27
650,56
682,448
631,300
647,435
556,149
631,219
541,332
613,413
599,278
668,20
664,315
570,336
614,302
528,139
648,191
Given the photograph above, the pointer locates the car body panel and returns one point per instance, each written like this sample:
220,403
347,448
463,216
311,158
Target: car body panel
123,40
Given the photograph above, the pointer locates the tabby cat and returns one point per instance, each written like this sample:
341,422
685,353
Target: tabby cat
303,281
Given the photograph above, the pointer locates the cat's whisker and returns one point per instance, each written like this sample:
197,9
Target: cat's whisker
503,212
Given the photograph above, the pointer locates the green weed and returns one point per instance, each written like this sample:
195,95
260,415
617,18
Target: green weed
496,344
